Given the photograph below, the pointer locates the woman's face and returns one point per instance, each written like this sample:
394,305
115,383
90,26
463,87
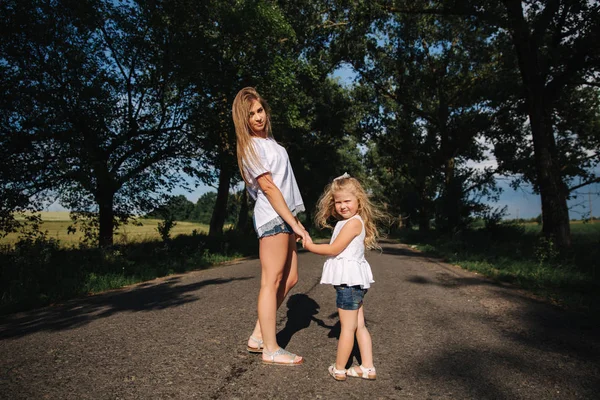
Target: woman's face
258,118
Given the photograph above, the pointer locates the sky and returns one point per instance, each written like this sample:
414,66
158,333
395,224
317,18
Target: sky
520,203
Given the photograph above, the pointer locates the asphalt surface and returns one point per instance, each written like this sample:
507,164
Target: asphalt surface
438,333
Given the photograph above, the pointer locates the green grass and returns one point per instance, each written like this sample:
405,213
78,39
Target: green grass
518,254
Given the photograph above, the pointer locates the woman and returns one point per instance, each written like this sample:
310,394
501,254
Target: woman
266,169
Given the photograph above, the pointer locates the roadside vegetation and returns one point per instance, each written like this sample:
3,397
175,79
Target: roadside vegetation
46,265
517,253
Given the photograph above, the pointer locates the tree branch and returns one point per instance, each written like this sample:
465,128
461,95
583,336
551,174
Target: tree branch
458,10
541,25
589,182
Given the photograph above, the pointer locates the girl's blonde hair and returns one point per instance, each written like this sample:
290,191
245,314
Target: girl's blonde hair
369,213
246,153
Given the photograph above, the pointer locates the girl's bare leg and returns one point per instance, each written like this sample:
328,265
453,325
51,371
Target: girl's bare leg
349,322
363,337
288,281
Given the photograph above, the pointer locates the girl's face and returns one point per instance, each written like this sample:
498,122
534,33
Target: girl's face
346,203
258,118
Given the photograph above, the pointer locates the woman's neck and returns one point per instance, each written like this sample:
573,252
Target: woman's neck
260,135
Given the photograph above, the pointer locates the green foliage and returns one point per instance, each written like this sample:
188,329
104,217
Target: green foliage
425,91
106,105
88,224
520,255
177,208
492,218
39,271
164,228
546,251
96,109
204,207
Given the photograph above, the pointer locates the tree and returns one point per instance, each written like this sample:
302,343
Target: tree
204,207
425,88
94,110
176,208
556,45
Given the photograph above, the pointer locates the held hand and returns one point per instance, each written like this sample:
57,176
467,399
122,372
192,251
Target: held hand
299,231
307,240
307,243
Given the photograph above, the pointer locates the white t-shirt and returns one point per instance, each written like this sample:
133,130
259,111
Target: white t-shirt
274,159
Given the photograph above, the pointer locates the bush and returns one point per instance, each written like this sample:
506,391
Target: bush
38,271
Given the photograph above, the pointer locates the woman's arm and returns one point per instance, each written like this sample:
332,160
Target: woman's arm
351,230
278,203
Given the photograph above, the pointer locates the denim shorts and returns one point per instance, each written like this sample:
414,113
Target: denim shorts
283,227
349,297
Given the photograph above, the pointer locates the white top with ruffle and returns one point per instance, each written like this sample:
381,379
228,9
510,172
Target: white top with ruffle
274,159
350,266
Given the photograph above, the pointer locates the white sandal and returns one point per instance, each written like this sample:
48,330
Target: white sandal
257,349
338,374
367,373
292,358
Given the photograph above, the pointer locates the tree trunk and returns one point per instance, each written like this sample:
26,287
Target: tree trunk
424,215
451,200
219,214
105,219
553,191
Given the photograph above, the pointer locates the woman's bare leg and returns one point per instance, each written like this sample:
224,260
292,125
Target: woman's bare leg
274,252
289,277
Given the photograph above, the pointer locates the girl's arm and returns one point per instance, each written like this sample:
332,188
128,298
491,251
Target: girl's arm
278,203
351,230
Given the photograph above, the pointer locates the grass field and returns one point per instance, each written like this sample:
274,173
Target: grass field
55,223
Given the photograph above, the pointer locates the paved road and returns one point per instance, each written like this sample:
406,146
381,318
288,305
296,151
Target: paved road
438,333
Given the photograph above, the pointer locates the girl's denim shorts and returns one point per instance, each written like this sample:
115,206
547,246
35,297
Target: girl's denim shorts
349,297
283,227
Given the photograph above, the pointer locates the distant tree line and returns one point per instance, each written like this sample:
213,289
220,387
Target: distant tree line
179,208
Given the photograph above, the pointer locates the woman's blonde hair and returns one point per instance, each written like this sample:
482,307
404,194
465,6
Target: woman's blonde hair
369,213
246,153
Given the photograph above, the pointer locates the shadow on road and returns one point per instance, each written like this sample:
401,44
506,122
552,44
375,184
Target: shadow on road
541,325
301,312
536,326
397,251
80,312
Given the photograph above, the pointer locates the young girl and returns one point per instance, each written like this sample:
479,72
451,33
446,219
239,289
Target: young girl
346,269
266,169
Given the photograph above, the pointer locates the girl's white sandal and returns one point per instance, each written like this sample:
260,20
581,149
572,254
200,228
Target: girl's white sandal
366,373
337,374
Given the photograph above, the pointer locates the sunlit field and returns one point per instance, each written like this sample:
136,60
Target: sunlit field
56,224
